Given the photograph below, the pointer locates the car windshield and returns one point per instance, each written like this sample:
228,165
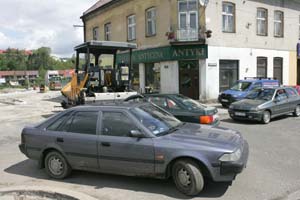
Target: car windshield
241,86
190,103
262,94
155,119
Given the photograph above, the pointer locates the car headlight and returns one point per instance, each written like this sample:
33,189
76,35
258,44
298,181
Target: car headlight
253,109
231,106
231,157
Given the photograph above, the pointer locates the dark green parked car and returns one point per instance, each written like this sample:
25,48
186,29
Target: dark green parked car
183,108
265,104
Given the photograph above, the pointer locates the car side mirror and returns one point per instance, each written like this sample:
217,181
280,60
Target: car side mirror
136,134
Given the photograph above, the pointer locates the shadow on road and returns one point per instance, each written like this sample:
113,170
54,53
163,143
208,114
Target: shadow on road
165,187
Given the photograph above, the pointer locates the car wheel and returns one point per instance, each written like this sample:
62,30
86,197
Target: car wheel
56,165
266,118
297,111
187,177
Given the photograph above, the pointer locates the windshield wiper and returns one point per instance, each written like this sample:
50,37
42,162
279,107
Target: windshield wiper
171,130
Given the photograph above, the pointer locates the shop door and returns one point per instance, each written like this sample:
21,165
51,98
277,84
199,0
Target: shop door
229,73
189,78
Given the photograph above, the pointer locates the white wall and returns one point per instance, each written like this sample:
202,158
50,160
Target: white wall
247,65
142,77
169,77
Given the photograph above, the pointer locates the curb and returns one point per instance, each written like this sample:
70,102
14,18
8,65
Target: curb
45,191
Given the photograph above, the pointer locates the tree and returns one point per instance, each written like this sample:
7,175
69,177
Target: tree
40,58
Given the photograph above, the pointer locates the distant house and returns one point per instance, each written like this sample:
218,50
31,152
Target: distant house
26,52
19,76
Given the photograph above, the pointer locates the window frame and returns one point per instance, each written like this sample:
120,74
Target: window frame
152,20
132,27
96,34
262,19
107,33
266,69
233,14
187,14
281,22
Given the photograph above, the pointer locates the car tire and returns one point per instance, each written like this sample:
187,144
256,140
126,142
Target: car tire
266,117
56,166
297,111
187,177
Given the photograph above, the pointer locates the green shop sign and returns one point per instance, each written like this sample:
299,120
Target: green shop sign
167,53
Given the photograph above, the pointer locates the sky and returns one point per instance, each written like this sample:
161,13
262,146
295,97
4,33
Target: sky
30,24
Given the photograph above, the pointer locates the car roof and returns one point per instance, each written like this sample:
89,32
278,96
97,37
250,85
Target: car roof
161,94
110,105
258,80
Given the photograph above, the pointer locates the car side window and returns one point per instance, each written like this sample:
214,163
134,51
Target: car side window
117,124
57,123
281,94
159,101
172,104
291,92
257,86
84,123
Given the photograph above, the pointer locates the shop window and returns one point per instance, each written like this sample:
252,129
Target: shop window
135,77
96,33
262,67
278,24
151,22
262,22
107,31
229,73
131,31
228,17
278,69
152,76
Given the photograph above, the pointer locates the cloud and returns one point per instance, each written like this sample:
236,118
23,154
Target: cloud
31,24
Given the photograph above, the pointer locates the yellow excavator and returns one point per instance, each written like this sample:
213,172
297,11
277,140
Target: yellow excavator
95,81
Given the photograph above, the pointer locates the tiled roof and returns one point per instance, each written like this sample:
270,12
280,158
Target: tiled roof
97,5
18,73
27,52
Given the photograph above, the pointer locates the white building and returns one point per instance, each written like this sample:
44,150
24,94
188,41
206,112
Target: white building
250,38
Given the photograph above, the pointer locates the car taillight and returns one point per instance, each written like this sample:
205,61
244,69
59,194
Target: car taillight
206,119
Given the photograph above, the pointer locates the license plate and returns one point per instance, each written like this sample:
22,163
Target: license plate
224,100
240,114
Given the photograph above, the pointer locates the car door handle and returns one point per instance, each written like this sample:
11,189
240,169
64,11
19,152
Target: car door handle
105,144
60,140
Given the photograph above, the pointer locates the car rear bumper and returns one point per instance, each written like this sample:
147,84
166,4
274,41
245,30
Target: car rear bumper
227,171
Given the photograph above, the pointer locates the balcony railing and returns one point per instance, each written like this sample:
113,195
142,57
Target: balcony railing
187,35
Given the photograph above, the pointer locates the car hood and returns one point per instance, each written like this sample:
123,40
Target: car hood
247,104
206,136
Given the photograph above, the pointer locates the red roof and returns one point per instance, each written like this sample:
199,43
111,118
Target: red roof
27,52
66,72
97,5
18,73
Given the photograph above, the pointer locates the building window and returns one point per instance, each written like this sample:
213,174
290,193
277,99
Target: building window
188,14
131,28
107,32
262,67
229,74
262,22
277,72
96,33
228,15
299,28
278,24
151,22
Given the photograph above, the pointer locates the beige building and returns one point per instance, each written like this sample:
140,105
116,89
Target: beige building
170,37
250,38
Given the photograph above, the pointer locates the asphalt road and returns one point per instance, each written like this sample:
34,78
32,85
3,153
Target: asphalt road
273,170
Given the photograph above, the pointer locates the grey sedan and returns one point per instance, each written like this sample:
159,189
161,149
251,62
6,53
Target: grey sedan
265,104
135,140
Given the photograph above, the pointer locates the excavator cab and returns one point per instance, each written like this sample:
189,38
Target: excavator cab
98,82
